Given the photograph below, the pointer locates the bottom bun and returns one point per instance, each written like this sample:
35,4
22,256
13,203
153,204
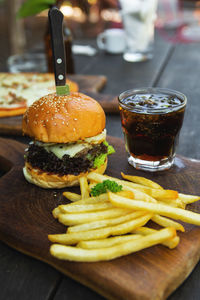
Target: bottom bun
53,181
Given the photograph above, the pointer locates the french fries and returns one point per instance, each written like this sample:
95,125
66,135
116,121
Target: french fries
148,191
162,209
142,181
85,207
93,255
84,187
171,243
91,200
105,223
72,196
74,219
105,243
75,237
56,212
165,222
114,224
187,199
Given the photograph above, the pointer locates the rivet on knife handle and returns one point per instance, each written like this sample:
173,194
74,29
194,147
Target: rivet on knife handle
58,49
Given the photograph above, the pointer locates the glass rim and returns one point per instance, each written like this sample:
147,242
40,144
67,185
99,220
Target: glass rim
152,90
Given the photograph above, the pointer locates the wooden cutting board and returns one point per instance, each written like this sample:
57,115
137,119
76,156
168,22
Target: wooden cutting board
89,84
151,274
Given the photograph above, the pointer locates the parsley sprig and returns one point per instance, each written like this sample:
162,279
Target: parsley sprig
101,188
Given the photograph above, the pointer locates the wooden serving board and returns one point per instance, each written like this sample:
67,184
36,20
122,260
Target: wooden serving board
89,84
26,220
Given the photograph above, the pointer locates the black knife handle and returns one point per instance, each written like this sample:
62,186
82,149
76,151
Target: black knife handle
58,48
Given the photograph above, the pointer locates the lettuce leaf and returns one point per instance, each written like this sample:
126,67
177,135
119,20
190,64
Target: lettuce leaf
110,148
99,160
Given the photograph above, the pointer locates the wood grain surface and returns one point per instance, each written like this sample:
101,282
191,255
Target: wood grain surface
89,84
25,221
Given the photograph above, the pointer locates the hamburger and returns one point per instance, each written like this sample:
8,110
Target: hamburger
69,140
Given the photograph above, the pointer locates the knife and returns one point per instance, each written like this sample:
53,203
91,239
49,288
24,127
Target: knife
58,50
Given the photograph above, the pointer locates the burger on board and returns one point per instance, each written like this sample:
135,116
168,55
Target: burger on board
69,140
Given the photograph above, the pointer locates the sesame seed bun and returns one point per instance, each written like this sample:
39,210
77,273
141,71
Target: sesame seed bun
63,119
48,181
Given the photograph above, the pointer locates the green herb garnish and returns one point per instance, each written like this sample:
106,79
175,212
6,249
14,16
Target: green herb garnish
101,188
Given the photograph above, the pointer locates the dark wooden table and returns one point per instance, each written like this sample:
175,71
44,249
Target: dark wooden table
173,66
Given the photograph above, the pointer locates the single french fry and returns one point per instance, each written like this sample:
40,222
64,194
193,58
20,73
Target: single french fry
105,223
91,185
165,222
128,194
183,205
85,207
56,212
163,195
109,242
157,208
92,255
158,194
72,196
74,219
91,200
171,243
170,203
187,199
84,187
75,237
175,203
142,181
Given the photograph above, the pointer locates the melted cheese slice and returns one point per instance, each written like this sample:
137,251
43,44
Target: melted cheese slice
72,149
65,149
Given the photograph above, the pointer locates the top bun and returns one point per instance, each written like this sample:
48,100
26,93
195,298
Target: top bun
63,119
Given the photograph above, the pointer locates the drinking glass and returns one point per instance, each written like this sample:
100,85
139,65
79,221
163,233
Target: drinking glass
151,122
138,18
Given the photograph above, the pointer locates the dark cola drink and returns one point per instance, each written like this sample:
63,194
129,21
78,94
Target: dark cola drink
151,122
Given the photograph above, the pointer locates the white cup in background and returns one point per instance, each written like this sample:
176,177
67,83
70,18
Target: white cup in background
112,41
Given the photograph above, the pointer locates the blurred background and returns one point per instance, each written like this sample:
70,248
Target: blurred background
86,19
